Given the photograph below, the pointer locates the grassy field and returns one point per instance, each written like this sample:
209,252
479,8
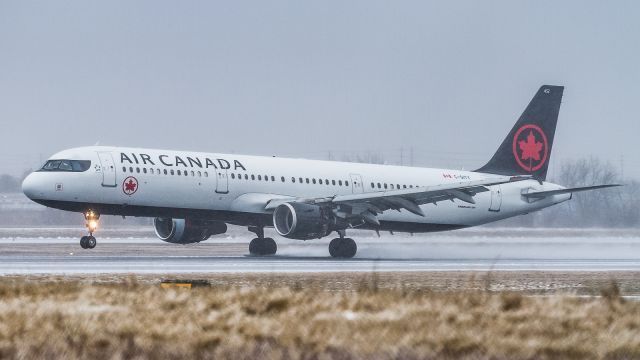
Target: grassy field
135,318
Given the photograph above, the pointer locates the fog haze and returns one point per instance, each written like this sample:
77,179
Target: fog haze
309,79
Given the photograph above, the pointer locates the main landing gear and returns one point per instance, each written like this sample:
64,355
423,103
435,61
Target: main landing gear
261,245
342,247
91,222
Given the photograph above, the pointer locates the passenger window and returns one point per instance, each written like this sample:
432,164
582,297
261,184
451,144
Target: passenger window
253,177
266,178
307,180
206,174
274,179
131,169
151,171
179,172
144,170
385,185
333,182
186,173
165,171
313,180
193,173
340,182
171,171
246,176
124,169
233,176
300,180
372,186
346,183
326,181
199,174
293,180
282,178
259,177
379,186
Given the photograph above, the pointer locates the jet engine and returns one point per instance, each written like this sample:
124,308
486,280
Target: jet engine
187,231
303,221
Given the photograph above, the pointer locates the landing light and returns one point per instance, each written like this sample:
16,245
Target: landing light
92,225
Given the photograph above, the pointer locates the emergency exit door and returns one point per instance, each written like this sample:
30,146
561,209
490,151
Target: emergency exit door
222,181
356,184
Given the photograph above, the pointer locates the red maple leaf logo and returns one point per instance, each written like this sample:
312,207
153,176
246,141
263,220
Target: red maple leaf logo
130,186
530,148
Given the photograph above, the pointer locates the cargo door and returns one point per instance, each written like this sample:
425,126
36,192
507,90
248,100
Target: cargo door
496,198
108,169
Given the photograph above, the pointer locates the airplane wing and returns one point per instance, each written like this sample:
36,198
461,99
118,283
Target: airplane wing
543,194
366,206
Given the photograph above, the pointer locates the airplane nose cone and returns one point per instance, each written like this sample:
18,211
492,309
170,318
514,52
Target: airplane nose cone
29,186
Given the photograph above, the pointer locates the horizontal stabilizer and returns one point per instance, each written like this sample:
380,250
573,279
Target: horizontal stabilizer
543,194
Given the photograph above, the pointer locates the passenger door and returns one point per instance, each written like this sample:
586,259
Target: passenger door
222,181
356,184
496,198
108,169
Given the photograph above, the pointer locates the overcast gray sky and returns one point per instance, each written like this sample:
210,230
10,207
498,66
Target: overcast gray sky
302,78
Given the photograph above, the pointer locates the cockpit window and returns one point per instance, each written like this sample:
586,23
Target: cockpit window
67,165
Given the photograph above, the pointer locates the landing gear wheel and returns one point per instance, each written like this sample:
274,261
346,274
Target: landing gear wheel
83,242
91,242
266,246
343,248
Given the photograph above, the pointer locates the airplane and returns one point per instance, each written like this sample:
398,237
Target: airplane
193,195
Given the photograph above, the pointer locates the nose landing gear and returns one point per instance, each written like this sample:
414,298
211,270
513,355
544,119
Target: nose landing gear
91,222
88,242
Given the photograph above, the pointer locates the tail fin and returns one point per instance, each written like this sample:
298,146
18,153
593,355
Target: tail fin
527,148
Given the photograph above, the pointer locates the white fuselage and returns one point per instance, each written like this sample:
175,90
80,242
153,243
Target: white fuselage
235,188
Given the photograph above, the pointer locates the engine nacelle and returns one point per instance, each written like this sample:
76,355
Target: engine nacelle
303,221
187,231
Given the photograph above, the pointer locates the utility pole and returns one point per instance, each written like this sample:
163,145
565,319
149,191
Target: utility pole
411,156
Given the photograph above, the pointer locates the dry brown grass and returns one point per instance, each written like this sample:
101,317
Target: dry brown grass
72,319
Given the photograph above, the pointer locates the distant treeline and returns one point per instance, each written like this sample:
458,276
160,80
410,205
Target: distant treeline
11,184
617,207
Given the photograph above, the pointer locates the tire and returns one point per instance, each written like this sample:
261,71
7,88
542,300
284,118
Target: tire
91,242
255,247
343,248
83,242
270,246
260,247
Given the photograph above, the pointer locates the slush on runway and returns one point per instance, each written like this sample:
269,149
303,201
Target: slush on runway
474,250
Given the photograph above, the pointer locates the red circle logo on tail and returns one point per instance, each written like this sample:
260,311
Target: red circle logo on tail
130,185
530,147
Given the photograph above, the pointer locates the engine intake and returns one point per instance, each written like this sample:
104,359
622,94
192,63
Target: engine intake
187,231
303,221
